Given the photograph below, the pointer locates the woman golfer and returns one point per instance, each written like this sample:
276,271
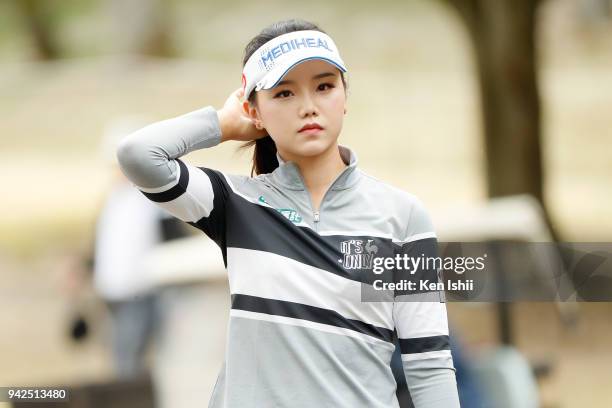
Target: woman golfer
309,241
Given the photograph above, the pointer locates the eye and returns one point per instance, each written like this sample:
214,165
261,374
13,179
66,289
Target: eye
282,94
322,87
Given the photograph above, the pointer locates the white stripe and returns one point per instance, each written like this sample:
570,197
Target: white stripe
420,319
308,324
263,274
424,333
426,355
196,202
200,188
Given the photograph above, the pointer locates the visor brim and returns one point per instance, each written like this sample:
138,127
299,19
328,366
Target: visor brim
277,74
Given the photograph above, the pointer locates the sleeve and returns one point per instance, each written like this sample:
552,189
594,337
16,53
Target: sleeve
422,325
149,158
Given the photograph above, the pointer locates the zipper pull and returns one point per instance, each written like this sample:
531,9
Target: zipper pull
316,216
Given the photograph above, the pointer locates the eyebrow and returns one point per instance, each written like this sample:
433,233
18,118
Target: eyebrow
318,76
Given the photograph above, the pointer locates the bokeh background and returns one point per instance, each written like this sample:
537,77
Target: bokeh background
415,118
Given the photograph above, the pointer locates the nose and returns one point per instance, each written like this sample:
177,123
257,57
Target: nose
308,107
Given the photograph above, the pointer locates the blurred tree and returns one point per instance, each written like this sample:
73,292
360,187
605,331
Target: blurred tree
40,27
595,11
143,26
503,37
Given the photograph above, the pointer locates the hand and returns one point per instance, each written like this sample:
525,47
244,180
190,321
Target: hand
234,123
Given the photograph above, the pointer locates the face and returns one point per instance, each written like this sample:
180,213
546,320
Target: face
310,93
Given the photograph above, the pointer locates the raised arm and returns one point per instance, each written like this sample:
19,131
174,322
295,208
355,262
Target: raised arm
149,157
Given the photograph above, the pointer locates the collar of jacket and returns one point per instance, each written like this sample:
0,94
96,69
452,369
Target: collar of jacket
288,174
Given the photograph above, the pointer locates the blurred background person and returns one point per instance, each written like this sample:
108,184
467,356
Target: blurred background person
127,230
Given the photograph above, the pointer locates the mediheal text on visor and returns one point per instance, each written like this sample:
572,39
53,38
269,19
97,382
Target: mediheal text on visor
295,44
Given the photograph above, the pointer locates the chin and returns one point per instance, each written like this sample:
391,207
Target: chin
313,147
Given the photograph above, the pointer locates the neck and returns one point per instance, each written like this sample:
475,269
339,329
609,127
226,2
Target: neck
321,170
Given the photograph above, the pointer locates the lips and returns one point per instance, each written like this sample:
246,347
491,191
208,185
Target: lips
309,126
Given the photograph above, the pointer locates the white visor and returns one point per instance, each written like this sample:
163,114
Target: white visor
269,64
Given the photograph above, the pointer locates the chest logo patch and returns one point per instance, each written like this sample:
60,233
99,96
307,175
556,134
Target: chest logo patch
289,213
357,254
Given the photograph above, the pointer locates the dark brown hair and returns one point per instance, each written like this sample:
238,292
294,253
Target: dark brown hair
264,153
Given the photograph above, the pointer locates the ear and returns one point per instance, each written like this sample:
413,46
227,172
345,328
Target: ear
246,108
252,113
250,110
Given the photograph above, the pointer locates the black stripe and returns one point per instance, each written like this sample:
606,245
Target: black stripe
215,224
175,191
426,248
261,228
424,344
307,312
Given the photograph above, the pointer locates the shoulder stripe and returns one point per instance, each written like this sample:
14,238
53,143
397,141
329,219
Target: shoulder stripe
175,191
424,344
443,358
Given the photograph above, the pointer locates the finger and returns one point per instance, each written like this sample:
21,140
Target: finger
236,94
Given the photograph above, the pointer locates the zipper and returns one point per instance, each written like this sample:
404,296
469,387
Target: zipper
315,214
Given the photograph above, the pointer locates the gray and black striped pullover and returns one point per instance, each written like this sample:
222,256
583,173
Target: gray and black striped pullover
299,333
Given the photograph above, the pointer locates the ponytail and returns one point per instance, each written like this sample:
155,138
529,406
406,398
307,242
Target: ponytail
264,155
